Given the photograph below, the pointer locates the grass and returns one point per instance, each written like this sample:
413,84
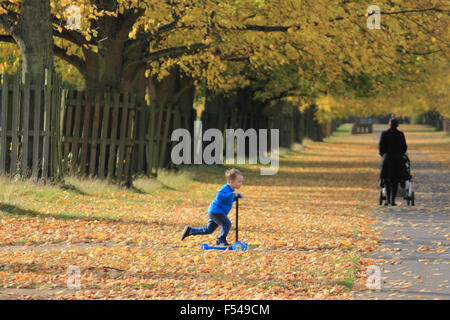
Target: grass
349,275
348,283
342,130
175,181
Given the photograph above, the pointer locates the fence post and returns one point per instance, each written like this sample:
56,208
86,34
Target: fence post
47,109
38,88
445,125
14,126
94,141
59,108
4,125
85,133
26,121
130,141
140,136
122,135
165,133
76,131
112,148
67,119
157,137
104,134
150,134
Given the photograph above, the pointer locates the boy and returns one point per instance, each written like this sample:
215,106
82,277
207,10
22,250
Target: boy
219,208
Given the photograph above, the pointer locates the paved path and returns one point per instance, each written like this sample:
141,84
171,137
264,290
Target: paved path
415,241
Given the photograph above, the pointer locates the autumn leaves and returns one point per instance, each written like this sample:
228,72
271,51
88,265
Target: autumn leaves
307,228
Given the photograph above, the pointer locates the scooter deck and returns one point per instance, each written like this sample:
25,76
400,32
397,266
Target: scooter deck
206,246
237,246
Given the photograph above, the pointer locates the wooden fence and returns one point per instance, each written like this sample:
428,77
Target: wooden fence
115,136
97,134
30,126
358,128
46,131
446,125
152,139
293,125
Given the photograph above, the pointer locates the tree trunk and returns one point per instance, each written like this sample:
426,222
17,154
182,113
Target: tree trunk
104,69
178,90
33,35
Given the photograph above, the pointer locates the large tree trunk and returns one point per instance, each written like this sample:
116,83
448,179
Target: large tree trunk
33,35
218,106
32,31
239,110
177,90
105,69
172,88
133,77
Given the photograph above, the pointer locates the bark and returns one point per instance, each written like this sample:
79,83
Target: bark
242,101
133,77
32,32
178,90
171,88
105,69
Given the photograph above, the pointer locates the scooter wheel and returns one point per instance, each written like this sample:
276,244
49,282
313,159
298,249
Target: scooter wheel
239,246
204,246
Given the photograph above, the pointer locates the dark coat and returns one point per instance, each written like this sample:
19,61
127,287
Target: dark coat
392,147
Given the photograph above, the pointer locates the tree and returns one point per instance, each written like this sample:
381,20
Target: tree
326,43
30,28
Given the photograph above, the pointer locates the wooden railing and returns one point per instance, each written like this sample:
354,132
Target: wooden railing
358,128
30,126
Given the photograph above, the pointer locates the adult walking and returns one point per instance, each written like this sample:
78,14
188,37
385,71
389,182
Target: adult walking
392,147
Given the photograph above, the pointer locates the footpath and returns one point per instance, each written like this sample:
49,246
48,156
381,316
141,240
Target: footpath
413,253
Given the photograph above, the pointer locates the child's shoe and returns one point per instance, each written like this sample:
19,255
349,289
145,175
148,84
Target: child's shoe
186,232
222,243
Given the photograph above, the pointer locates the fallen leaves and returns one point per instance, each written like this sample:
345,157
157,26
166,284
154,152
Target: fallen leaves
307,233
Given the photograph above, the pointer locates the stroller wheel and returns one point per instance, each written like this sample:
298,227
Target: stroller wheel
412,199
381,198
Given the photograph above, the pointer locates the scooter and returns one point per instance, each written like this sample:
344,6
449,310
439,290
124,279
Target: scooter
237,245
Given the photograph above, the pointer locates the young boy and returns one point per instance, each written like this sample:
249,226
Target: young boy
219,208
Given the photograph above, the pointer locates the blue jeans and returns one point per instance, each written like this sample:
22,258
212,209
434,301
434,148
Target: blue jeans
215,220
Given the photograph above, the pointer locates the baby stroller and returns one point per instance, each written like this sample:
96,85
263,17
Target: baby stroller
406,185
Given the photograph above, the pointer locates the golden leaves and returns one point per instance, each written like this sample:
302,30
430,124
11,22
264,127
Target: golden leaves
306,234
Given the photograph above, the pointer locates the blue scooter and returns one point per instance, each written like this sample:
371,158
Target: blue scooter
237,245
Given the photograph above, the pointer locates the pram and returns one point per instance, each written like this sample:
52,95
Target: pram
406,185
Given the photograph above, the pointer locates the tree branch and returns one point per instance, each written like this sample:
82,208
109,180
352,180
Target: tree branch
394,13
66,34
130,44
286,93
167,53
7,38
74,60
6,23
252,27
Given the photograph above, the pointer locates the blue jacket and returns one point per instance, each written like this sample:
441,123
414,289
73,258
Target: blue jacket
223,201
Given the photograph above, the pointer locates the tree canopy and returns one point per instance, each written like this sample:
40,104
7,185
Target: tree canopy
305,51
